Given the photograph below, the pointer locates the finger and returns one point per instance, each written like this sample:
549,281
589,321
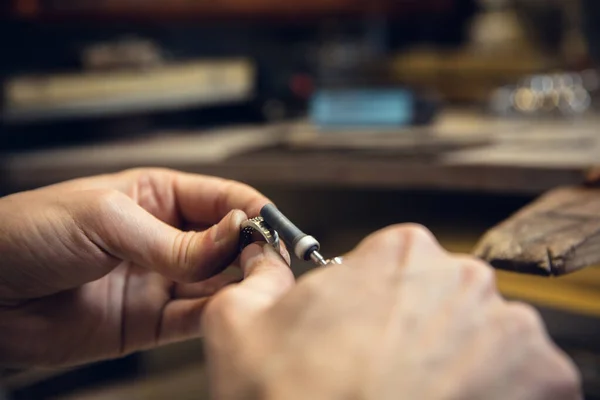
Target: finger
200,199
181,317
123,229
265,271
203,199
152,315
477,276
181,320
205,288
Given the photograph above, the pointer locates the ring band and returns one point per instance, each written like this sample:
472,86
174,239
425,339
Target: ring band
257,230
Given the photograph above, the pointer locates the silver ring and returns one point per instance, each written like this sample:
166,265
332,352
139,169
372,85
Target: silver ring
257,230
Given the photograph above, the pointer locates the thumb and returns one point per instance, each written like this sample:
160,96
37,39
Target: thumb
128,232
266,272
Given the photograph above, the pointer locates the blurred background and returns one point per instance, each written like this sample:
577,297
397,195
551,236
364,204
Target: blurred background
350,114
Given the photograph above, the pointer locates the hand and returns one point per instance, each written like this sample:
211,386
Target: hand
105,266
401,318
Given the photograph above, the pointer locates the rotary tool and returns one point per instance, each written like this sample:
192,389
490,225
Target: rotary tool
272,225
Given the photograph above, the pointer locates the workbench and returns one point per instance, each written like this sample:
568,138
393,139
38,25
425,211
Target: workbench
512,156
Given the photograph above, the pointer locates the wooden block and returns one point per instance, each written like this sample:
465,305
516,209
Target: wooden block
557,234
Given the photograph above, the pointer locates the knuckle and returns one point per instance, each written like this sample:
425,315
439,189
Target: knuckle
401,235
183,256
524,317
415,239
139,171
565,382
560,378
400,246
104,199
415,233
478,274
92,204
571,383
132,172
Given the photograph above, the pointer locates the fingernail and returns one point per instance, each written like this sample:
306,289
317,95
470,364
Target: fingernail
230,226
285,254
270,252
254,253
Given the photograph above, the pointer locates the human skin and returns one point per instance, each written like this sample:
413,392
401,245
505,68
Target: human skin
400,318
101,267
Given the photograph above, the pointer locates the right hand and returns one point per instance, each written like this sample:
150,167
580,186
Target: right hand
400,318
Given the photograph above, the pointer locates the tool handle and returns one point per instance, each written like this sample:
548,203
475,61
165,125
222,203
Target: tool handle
301,243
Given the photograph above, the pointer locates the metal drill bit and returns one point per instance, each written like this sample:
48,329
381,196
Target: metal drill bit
318,258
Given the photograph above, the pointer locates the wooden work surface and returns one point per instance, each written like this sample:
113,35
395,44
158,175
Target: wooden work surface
462,151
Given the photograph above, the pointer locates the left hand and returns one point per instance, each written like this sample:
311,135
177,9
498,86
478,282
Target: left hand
101,267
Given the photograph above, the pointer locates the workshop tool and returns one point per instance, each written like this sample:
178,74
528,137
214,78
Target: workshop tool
272,226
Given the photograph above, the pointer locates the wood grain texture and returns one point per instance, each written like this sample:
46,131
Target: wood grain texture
557,234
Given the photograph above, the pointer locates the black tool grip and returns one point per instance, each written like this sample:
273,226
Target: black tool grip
288,232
